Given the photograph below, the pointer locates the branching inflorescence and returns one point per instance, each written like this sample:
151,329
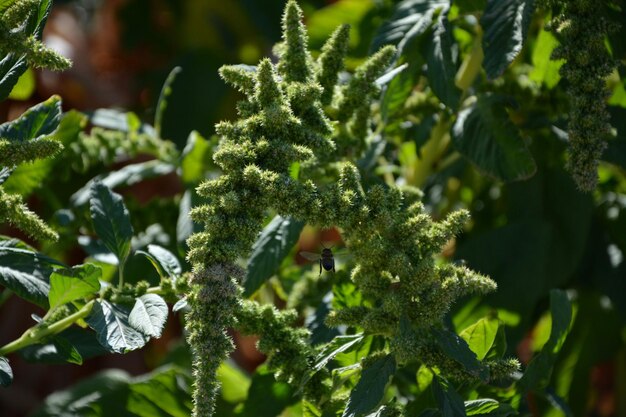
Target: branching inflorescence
295,111
582,28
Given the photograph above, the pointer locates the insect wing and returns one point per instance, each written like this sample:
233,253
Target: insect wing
310,256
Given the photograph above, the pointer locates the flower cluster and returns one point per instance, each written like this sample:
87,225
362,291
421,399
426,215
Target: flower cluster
581,29
295,111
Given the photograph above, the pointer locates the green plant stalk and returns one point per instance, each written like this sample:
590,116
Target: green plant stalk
471,66
432,151
35,334
120,284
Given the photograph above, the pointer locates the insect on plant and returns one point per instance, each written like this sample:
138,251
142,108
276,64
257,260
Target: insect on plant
326,259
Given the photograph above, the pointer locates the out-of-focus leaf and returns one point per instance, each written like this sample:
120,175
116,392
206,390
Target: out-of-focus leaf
546,70
322,23
449,401
410,18
485,135
268,252
442,68
180,305
78,282
126,176
482,406
235,383
83,341
111,323
6,373
111,220
320,332
26,274
468,6
166,91
480,336
162,393
25,86
266,396
539,370
505,25
149,315
185,226
196,158
370,389
457,349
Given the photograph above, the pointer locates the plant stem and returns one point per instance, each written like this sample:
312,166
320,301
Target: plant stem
37,333
121,274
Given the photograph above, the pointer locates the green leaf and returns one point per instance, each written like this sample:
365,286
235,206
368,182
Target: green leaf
67,351
25,86
481,335
163,260
479,407
38,121
162,393
441,70
539,370
410,19
457,349
485,135
111,220
166,91
370,389
26,274
268,252
322,22
111,323
6,374
235,383
53,352
124,177
149,315
505,25
196,158
67,285
449,401
469,6
498,349
266,396
546,70
12,65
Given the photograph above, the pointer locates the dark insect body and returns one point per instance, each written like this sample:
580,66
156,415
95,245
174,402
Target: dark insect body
326,259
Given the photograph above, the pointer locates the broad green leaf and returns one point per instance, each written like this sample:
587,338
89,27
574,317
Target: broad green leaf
449,401
485,135
161,393
111,323
84,342
266,396
111,220
163,260
469,6
424,377
66,350
196,158
124,177
546,70
457,349
235,383
338,345
38,121
268,252
310,410
442,68
25,86
149,315
13,65
67,285
481,335
320,332
370,389
480,407
26,274
382,411
499,346
505,25
411,18
6,374
539,370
